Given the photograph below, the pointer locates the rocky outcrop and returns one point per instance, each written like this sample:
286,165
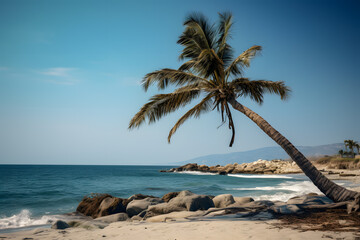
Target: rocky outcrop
99,205
257,167
186,205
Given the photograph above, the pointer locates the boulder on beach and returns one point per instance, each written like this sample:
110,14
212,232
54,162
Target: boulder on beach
111,205
99,205
89,205
60,225
167,197
242,200
137,206
260,204
164,208
139,196
184,201
192,201
223,200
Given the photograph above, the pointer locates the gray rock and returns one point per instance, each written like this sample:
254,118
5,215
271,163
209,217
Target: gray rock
137,206
261,204
139,196
286,209
223,200
198,202
113,218
185,193
242,200
191,201
59,225
164,208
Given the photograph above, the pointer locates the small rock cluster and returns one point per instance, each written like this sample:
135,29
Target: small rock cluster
257,167
100,210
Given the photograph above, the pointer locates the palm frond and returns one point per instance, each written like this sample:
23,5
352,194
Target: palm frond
208,63
224,50
187,66
165,76
255,89
202,107
242,61
162,104
200,24
192,42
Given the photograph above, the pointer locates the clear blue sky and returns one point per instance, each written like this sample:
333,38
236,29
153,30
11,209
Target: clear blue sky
70,73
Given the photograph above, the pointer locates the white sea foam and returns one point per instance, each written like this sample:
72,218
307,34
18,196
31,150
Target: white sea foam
24,219
258,176
295,188
197,173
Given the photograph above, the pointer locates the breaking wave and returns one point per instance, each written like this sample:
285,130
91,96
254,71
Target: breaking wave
197,173
258,176
24,219
284,191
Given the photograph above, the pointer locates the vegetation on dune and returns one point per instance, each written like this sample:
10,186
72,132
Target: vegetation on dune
351,144
211,71
336,162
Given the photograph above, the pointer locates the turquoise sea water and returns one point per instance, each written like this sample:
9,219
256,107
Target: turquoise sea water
35,194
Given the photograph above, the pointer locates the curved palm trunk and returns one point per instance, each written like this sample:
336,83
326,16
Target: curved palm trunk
329,188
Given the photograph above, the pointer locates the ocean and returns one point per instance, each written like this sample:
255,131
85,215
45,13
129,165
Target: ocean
38,194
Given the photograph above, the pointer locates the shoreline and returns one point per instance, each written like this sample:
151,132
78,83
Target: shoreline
212,227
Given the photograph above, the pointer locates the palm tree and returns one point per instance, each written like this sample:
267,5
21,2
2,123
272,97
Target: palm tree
341,152
357,145
211,71
345,144
350,144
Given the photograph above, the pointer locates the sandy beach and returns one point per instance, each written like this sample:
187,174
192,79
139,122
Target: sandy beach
184,230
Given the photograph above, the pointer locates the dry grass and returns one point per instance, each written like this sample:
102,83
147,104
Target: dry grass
322,220
335,162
